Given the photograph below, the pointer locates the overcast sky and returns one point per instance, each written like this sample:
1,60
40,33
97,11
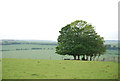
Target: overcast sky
43,19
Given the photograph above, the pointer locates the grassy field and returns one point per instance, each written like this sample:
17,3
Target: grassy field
57,69
47,52
26,46
21,61
0,68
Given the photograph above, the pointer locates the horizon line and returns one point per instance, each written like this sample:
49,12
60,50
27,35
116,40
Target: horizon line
45,39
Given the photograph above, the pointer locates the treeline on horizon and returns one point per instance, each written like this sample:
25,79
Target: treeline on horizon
27,42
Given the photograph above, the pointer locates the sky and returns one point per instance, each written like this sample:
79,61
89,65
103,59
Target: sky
43,19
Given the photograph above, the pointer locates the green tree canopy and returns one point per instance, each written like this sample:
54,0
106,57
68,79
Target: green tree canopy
80,39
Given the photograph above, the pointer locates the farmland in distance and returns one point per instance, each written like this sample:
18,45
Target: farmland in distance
46,50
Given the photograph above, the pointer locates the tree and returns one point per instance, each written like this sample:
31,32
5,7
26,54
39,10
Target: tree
80,39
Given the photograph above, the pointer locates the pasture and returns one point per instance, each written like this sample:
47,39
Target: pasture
45,52
36,61
58,69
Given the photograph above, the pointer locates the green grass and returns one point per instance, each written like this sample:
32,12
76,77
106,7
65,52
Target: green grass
32,54
44,53
0,69
57,69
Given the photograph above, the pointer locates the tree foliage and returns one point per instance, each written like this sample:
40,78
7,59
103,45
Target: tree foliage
80,39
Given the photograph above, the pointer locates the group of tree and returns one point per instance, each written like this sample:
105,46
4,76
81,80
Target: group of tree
79,39
14,42
109,47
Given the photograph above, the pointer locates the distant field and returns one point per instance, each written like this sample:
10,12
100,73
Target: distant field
26,46
47,53
58,69
44,52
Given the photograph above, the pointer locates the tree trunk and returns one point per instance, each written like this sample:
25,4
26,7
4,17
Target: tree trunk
83,58
90,58
74,57
98,58
78,57
94,58
87,58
